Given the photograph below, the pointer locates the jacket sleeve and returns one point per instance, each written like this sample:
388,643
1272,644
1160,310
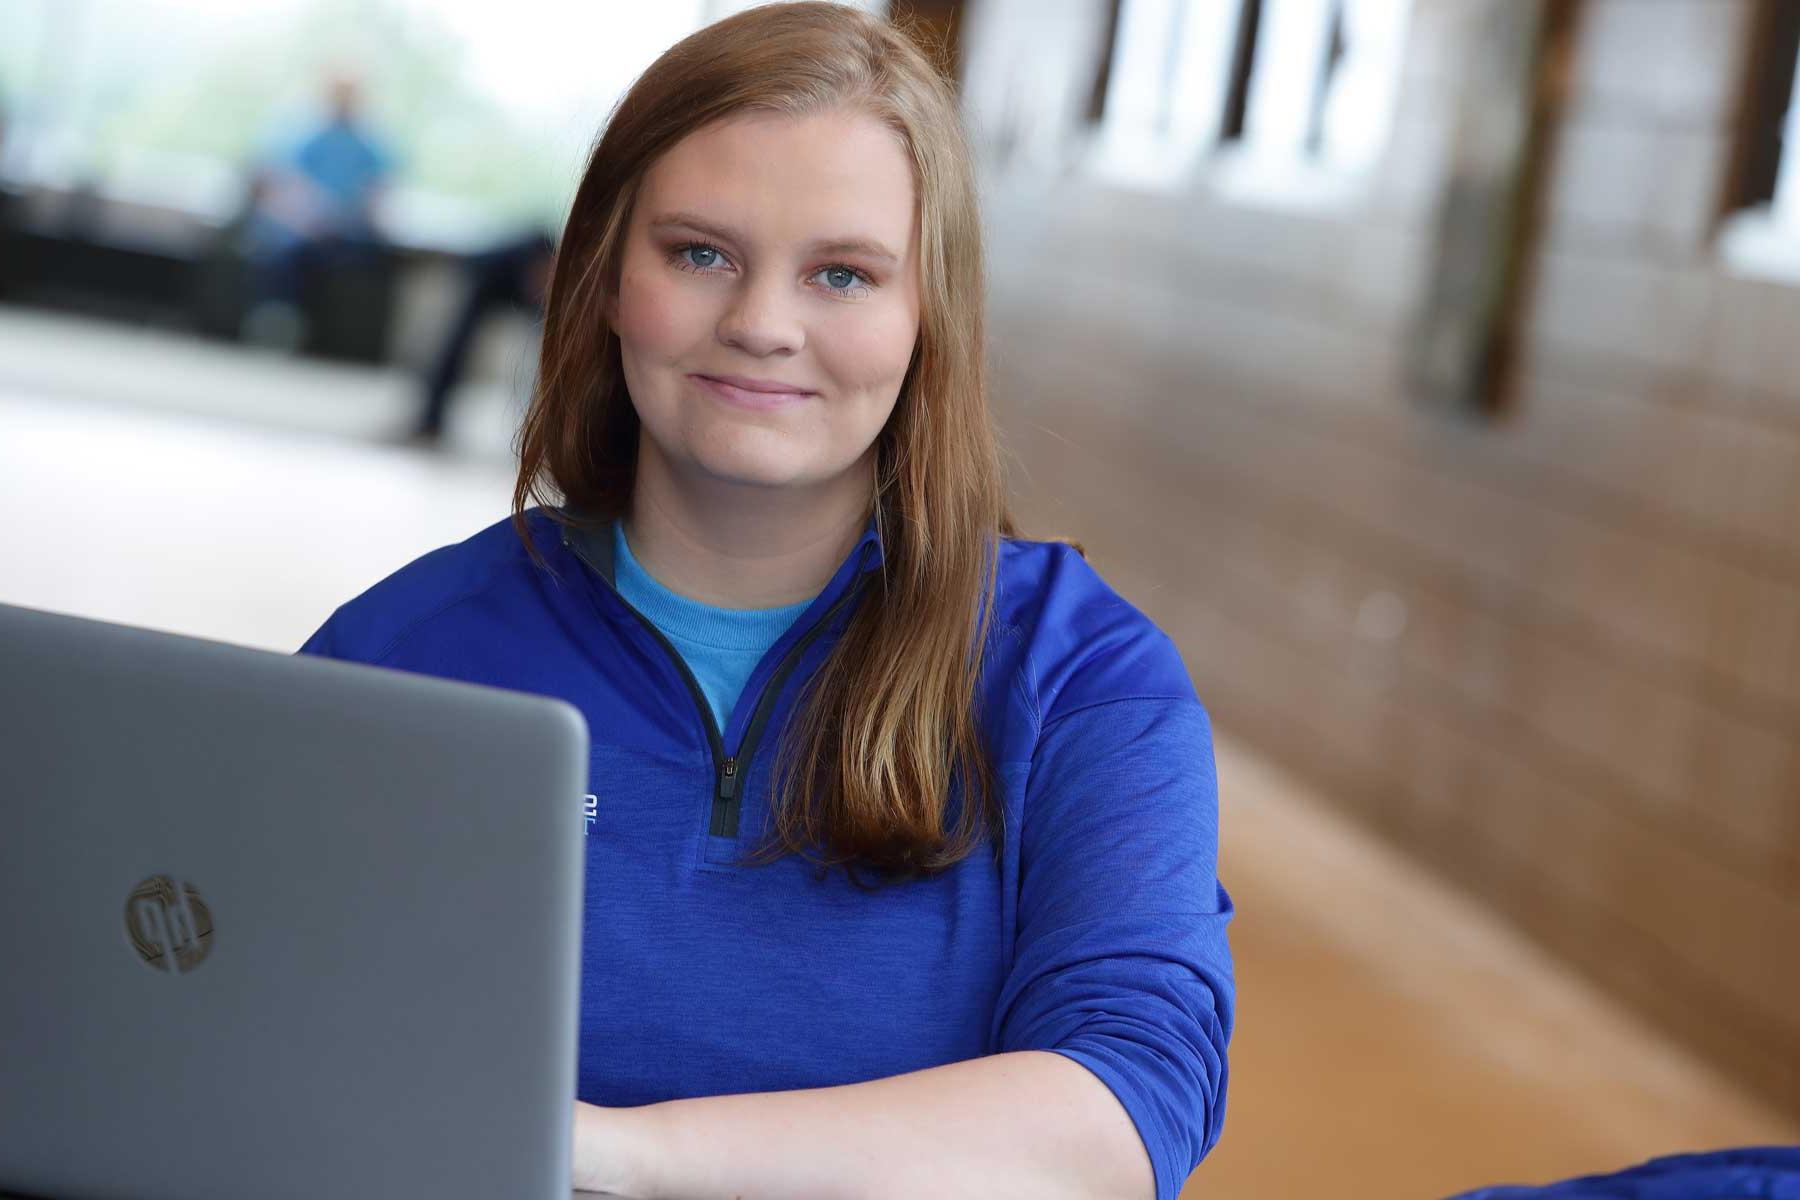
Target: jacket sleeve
351,633
323,642
1121,961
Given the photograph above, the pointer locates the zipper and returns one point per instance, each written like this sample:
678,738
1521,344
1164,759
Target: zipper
728,769
725,803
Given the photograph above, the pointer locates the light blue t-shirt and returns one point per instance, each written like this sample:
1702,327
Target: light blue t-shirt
344,160
721,646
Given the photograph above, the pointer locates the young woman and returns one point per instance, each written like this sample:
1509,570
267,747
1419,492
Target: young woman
780,579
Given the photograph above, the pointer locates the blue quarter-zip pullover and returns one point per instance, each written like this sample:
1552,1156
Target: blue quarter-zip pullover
1098,933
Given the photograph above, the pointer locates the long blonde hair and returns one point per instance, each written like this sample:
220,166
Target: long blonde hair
888,720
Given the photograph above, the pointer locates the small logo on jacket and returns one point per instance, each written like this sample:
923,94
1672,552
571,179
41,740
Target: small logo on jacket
590,808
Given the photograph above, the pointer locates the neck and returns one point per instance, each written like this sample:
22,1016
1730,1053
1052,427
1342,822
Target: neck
739,545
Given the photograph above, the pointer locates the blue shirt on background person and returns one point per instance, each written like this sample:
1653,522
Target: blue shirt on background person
346,163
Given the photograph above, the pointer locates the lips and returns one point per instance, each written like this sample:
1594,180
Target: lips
760,385
749,393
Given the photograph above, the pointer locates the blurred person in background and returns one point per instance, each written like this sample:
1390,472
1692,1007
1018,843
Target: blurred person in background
781,580
9,197
5,187
512,275
310,204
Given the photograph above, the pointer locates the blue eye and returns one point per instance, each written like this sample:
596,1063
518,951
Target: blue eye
854,282
698,248
704,259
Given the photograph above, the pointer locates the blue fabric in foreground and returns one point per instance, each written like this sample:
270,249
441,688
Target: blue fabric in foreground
1747,1173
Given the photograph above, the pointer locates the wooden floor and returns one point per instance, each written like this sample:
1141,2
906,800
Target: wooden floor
1392,1040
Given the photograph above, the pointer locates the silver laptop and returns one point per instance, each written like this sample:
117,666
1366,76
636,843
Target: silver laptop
280,926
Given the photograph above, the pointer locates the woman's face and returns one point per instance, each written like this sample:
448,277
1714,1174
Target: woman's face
781,252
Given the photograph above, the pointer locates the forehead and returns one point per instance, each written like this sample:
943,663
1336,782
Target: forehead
788,180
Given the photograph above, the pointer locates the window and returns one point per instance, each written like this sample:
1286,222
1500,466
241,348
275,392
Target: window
1761,234
164,101
1317,81
1298,95
1165,90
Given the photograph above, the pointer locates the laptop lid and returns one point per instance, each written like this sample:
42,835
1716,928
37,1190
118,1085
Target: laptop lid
280,925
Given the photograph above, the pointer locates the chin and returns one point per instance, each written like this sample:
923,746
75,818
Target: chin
749,469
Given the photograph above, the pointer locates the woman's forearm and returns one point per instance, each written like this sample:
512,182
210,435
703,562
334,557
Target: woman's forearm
1026,1124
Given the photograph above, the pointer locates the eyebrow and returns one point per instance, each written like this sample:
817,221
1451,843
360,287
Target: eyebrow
848,245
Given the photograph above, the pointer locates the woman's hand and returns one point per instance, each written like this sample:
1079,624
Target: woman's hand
615,1151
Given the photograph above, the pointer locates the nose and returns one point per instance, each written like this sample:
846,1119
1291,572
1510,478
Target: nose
762,319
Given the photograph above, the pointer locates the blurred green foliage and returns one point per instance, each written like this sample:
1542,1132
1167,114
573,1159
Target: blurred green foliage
146,83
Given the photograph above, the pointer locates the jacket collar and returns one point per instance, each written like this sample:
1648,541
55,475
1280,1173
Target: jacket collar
594,546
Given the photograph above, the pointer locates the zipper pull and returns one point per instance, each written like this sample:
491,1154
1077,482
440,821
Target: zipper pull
728,779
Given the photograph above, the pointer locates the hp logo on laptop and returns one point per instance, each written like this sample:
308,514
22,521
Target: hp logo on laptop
170,927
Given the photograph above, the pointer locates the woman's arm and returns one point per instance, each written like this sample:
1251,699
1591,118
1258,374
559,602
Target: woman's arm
1027,1124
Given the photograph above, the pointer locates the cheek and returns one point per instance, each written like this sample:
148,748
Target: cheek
652,317
869,353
